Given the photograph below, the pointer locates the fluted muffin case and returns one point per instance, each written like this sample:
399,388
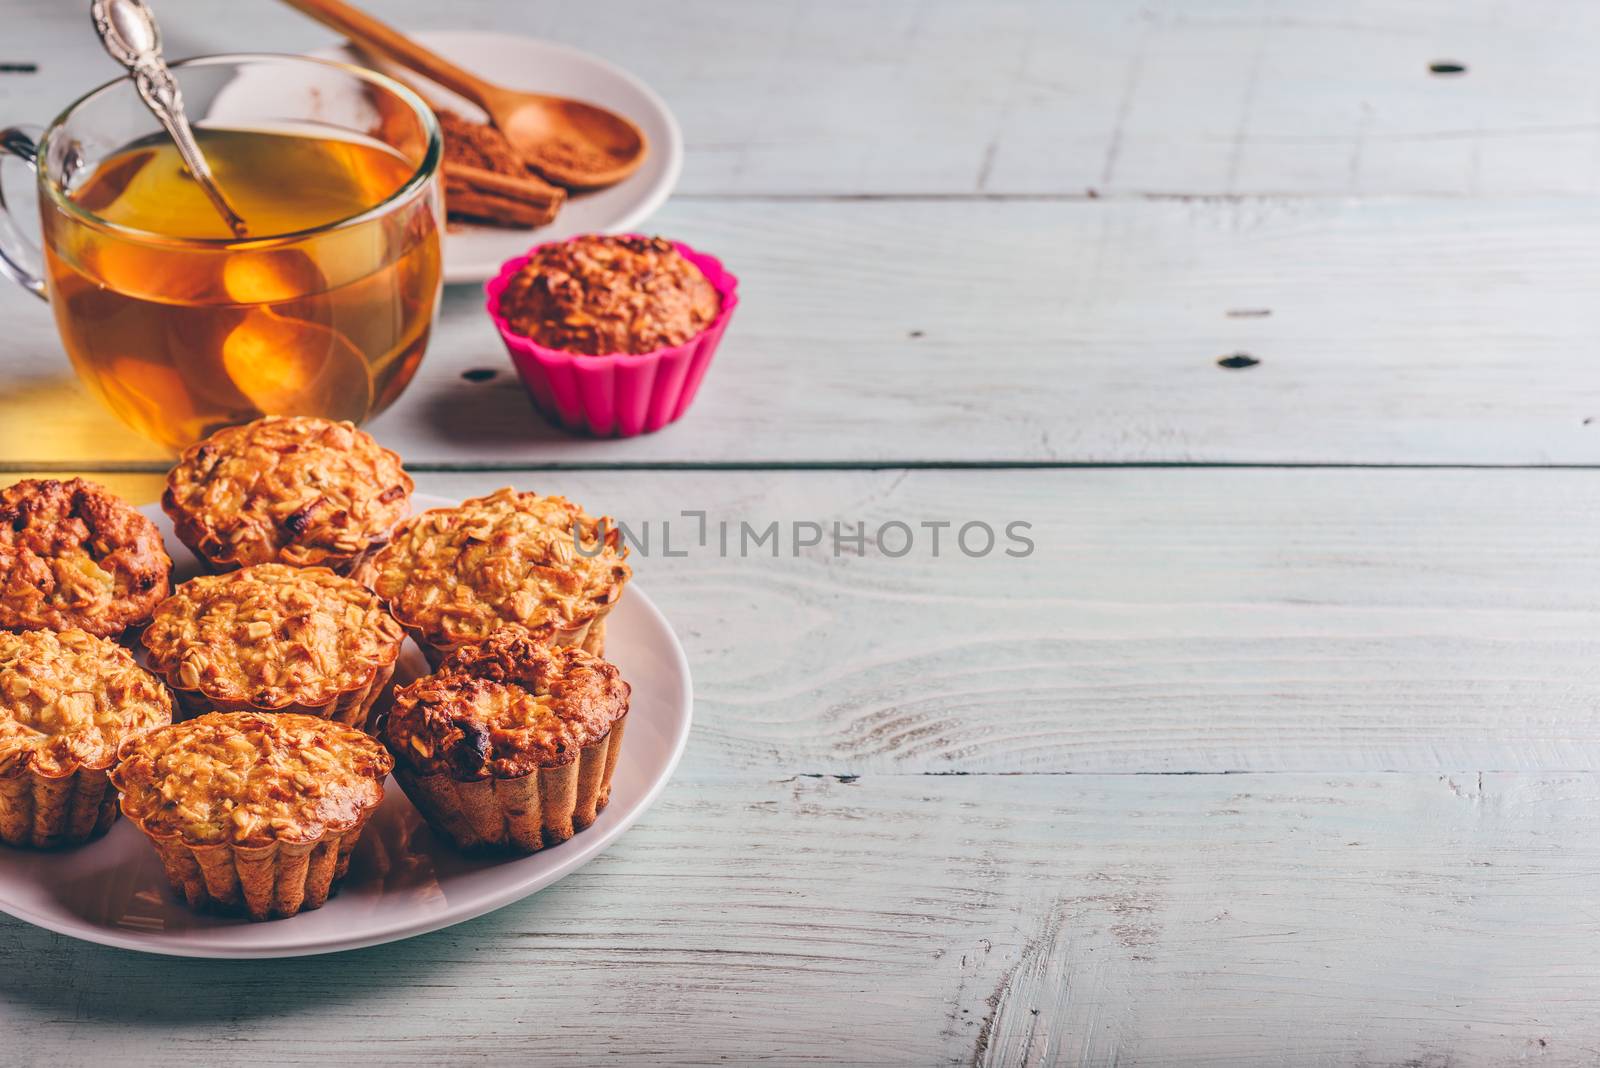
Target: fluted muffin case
253,813
510,745
68,699
616,394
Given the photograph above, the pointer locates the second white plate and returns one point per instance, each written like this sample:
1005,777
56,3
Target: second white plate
403,880
475,253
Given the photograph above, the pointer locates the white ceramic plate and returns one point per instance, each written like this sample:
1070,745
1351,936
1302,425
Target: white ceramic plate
403,880
475,253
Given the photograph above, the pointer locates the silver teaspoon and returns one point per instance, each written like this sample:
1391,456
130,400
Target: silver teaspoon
128,30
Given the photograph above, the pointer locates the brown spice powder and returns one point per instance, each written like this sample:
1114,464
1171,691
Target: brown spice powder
564,156
476,144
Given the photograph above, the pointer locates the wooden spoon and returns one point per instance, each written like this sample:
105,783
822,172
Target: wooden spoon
578,145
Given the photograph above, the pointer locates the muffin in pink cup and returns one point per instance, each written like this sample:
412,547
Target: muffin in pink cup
612,335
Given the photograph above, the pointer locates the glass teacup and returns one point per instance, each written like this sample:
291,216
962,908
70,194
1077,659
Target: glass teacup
323,309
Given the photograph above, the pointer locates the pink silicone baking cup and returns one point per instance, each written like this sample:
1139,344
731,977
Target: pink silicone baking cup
617,395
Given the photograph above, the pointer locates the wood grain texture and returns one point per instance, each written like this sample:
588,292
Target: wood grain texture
139,489
1025,231
1167,620
1396,332
1440,332
1447,331
1171,620
1023,97
1240,920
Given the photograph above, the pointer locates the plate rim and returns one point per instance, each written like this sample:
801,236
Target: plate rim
652,201
499,899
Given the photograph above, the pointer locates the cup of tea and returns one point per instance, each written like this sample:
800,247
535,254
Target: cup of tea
324,307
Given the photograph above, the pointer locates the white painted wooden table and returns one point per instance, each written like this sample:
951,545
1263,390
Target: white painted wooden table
1281,748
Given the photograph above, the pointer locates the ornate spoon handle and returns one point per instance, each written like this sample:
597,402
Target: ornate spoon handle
128,30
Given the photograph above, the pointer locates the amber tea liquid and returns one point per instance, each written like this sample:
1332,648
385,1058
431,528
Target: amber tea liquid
180,338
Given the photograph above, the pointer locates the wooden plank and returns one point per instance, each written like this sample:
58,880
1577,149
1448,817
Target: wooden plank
994,920
1167,620
831,97
138,489
1436,332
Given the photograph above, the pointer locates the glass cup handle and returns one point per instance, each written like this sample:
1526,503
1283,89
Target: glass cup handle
16,251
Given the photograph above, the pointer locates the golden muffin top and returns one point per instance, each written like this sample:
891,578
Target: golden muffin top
74,555
504,709
68,699
456,575
272,635
250,778
601,294
290,489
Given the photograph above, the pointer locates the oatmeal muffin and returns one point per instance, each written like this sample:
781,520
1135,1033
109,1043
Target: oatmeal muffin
249,811
67,700
596,295
453,576
274,638
511,744
286,489
74,555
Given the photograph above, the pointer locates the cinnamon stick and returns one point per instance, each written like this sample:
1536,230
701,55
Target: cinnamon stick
467,203
534,192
